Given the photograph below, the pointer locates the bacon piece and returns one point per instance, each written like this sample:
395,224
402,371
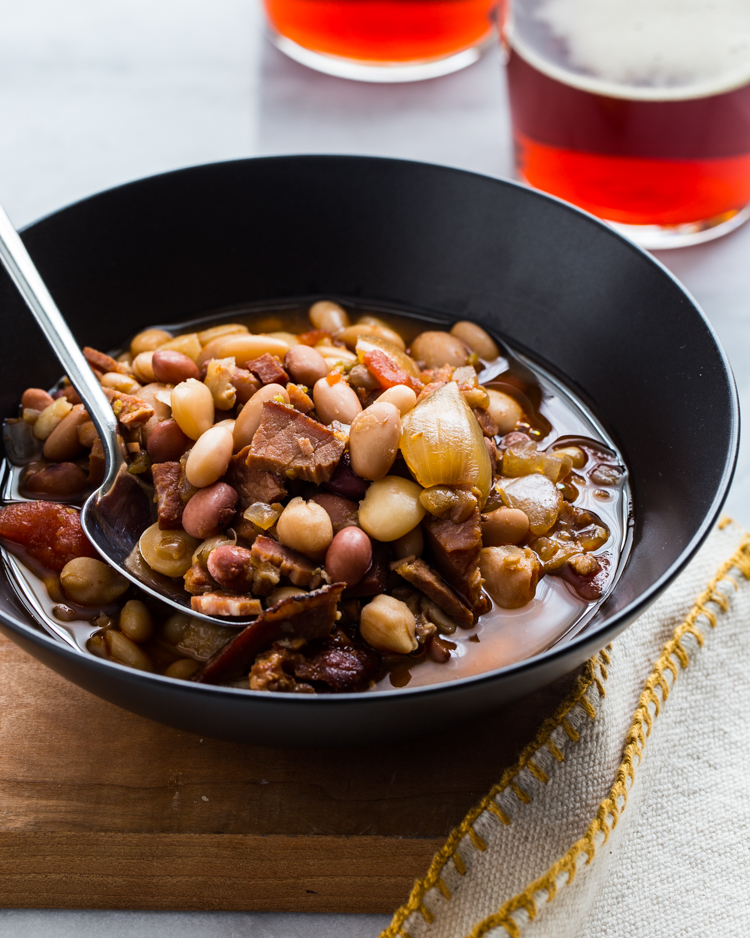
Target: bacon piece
488,425
307,616
427,581
131,411
252,484
100,361
288,442
267,370
274,671
375,581
338,662
272,560
225,604
169,505
199,581
387,372
454,548
231,567
50,532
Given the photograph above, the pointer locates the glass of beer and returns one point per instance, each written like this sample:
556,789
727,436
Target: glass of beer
635,110
382,40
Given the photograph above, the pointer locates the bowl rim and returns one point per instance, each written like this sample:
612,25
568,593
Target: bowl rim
616,623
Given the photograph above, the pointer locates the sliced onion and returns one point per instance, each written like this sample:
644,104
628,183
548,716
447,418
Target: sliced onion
443,443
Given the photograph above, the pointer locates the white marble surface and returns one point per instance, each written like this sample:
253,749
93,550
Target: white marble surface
94,94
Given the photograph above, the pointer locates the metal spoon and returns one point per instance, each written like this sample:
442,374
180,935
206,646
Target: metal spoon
117,513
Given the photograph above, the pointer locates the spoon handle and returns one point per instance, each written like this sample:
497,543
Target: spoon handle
32,288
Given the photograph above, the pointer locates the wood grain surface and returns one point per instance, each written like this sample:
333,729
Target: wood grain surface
100,808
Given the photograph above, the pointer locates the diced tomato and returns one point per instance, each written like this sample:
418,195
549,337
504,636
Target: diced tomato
333,377
387,373
313,336
50,532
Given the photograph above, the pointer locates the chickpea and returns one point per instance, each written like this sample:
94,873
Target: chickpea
374,439
504,526
183,669
436,349
168,552
172,367
136,622
389,625
251,414
336,401
306,365
349,556
328,316
400,395
188,344
126,652
504,410
410,544
510,574
90,582
391,508
477,339
143,367
220,332
148,341
193,408
306,527
209,459
245,348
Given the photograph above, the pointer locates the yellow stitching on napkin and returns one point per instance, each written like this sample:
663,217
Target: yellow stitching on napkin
585,682
615,803
539,773
520,793
498,812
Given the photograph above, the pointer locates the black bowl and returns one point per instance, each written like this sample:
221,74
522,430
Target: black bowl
559,285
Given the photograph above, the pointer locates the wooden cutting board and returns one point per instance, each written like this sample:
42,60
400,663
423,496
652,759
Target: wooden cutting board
101,809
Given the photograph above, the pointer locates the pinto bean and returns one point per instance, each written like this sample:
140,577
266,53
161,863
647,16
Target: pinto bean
374,440
62,480
210,510
63,443
336,401
250,416
36,399
143,367
504,410
477,339
166,442
209,459
306,365
349,556
436,349
231,567
172,367
91,582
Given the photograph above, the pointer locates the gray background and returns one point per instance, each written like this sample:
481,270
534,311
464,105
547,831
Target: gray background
94,94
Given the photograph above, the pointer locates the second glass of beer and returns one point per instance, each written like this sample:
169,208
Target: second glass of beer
382,40
636,110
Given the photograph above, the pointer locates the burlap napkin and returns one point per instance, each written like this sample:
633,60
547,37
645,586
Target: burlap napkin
629,813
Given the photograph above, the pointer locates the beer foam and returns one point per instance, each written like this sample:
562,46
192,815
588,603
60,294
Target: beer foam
659,44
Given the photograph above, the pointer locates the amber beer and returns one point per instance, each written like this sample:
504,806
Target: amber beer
670,162
372,33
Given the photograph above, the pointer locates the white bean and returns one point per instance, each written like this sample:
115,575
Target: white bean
504,410
193,408
477,339
250,416
336,401
209,459
402,396
391,508
374,440
328,316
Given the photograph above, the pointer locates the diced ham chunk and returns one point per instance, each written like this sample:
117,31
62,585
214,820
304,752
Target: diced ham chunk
308,616
99,361
252,484
272,560
289,443
169,505
131,411
454,549
267,370
225,604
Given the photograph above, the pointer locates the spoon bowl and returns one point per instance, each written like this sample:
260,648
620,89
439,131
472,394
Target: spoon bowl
116,514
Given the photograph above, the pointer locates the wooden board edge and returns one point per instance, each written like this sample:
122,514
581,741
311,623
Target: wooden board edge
209,872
